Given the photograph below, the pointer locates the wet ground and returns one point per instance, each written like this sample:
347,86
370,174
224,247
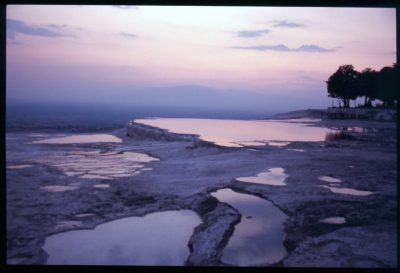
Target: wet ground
53,188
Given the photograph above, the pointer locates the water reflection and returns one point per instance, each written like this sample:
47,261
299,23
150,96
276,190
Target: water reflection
57,188
92,164
80,139
329,179
274,177
348,191
258,238
20,166
334,220
159,238
235,133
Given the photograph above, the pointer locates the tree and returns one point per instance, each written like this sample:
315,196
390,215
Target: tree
387,85
343,84
368,86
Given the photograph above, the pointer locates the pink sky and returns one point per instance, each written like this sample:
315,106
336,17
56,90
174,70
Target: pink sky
52,50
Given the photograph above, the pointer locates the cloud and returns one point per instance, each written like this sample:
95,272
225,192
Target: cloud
125,7
57,26
313,48
128,35
286,24
284,48
252,33
15,26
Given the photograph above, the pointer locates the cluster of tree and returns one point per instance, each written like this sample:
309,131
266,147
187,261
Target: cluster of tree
347,84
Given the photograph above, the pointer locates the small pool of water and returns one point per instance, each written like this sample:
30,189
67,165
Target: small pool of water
159,238
235,133
56,188
24,166
278,144
296,150
334,220
92,164
83,215
95,138
329,179
258,238
274,177
101,186
348,191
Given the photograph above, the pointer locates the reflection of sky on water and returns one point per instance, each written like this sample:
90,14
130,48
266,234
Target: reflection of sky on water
20,166
57,188
334,186
334,220
348,191
235,133
159,238
258,238
96,138
274,177
329,179
92,164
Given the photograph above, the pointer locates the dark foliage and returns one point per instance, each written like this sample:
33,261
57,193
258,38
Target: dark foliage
347,84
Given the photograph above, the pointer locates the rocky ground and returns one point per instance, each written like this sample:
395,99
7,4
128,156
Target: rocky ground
189,169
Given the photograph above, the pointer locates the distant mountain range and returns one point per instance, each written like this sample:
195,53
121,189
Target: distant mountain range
201,97
176,101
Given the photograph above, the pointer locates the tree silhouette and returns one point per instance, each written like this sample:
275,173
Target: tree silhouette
343,84
347,84
387,85
368,86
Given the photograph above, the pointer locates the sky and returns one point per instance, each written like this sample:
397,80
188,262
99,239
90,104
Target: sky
82,53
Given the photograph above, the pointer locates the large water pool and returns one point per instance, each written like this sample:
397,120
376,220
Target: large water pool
159,238
238,133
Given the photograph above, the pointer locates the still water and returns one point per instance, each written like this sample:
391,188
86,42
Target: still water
74,139
274,177
93,164
159,238
258,238
236,133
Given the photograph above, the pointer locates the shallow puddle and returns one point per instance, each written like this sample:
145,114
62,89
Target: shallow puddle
251,143
101,186
82,215
334,220
329,179
96,138
348,191
56,188
274,177
159,238
278,144
67,224
275,132
20,166
296,150
258,238
95,176
92,164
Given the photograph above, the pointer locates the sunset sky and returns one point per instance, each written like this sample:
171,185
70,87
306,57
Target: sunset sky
80,52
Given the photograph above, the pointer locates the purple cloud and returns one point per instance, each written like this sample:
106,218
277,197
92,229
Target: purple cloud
252,33
15,26
128,35
287,24
284,48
